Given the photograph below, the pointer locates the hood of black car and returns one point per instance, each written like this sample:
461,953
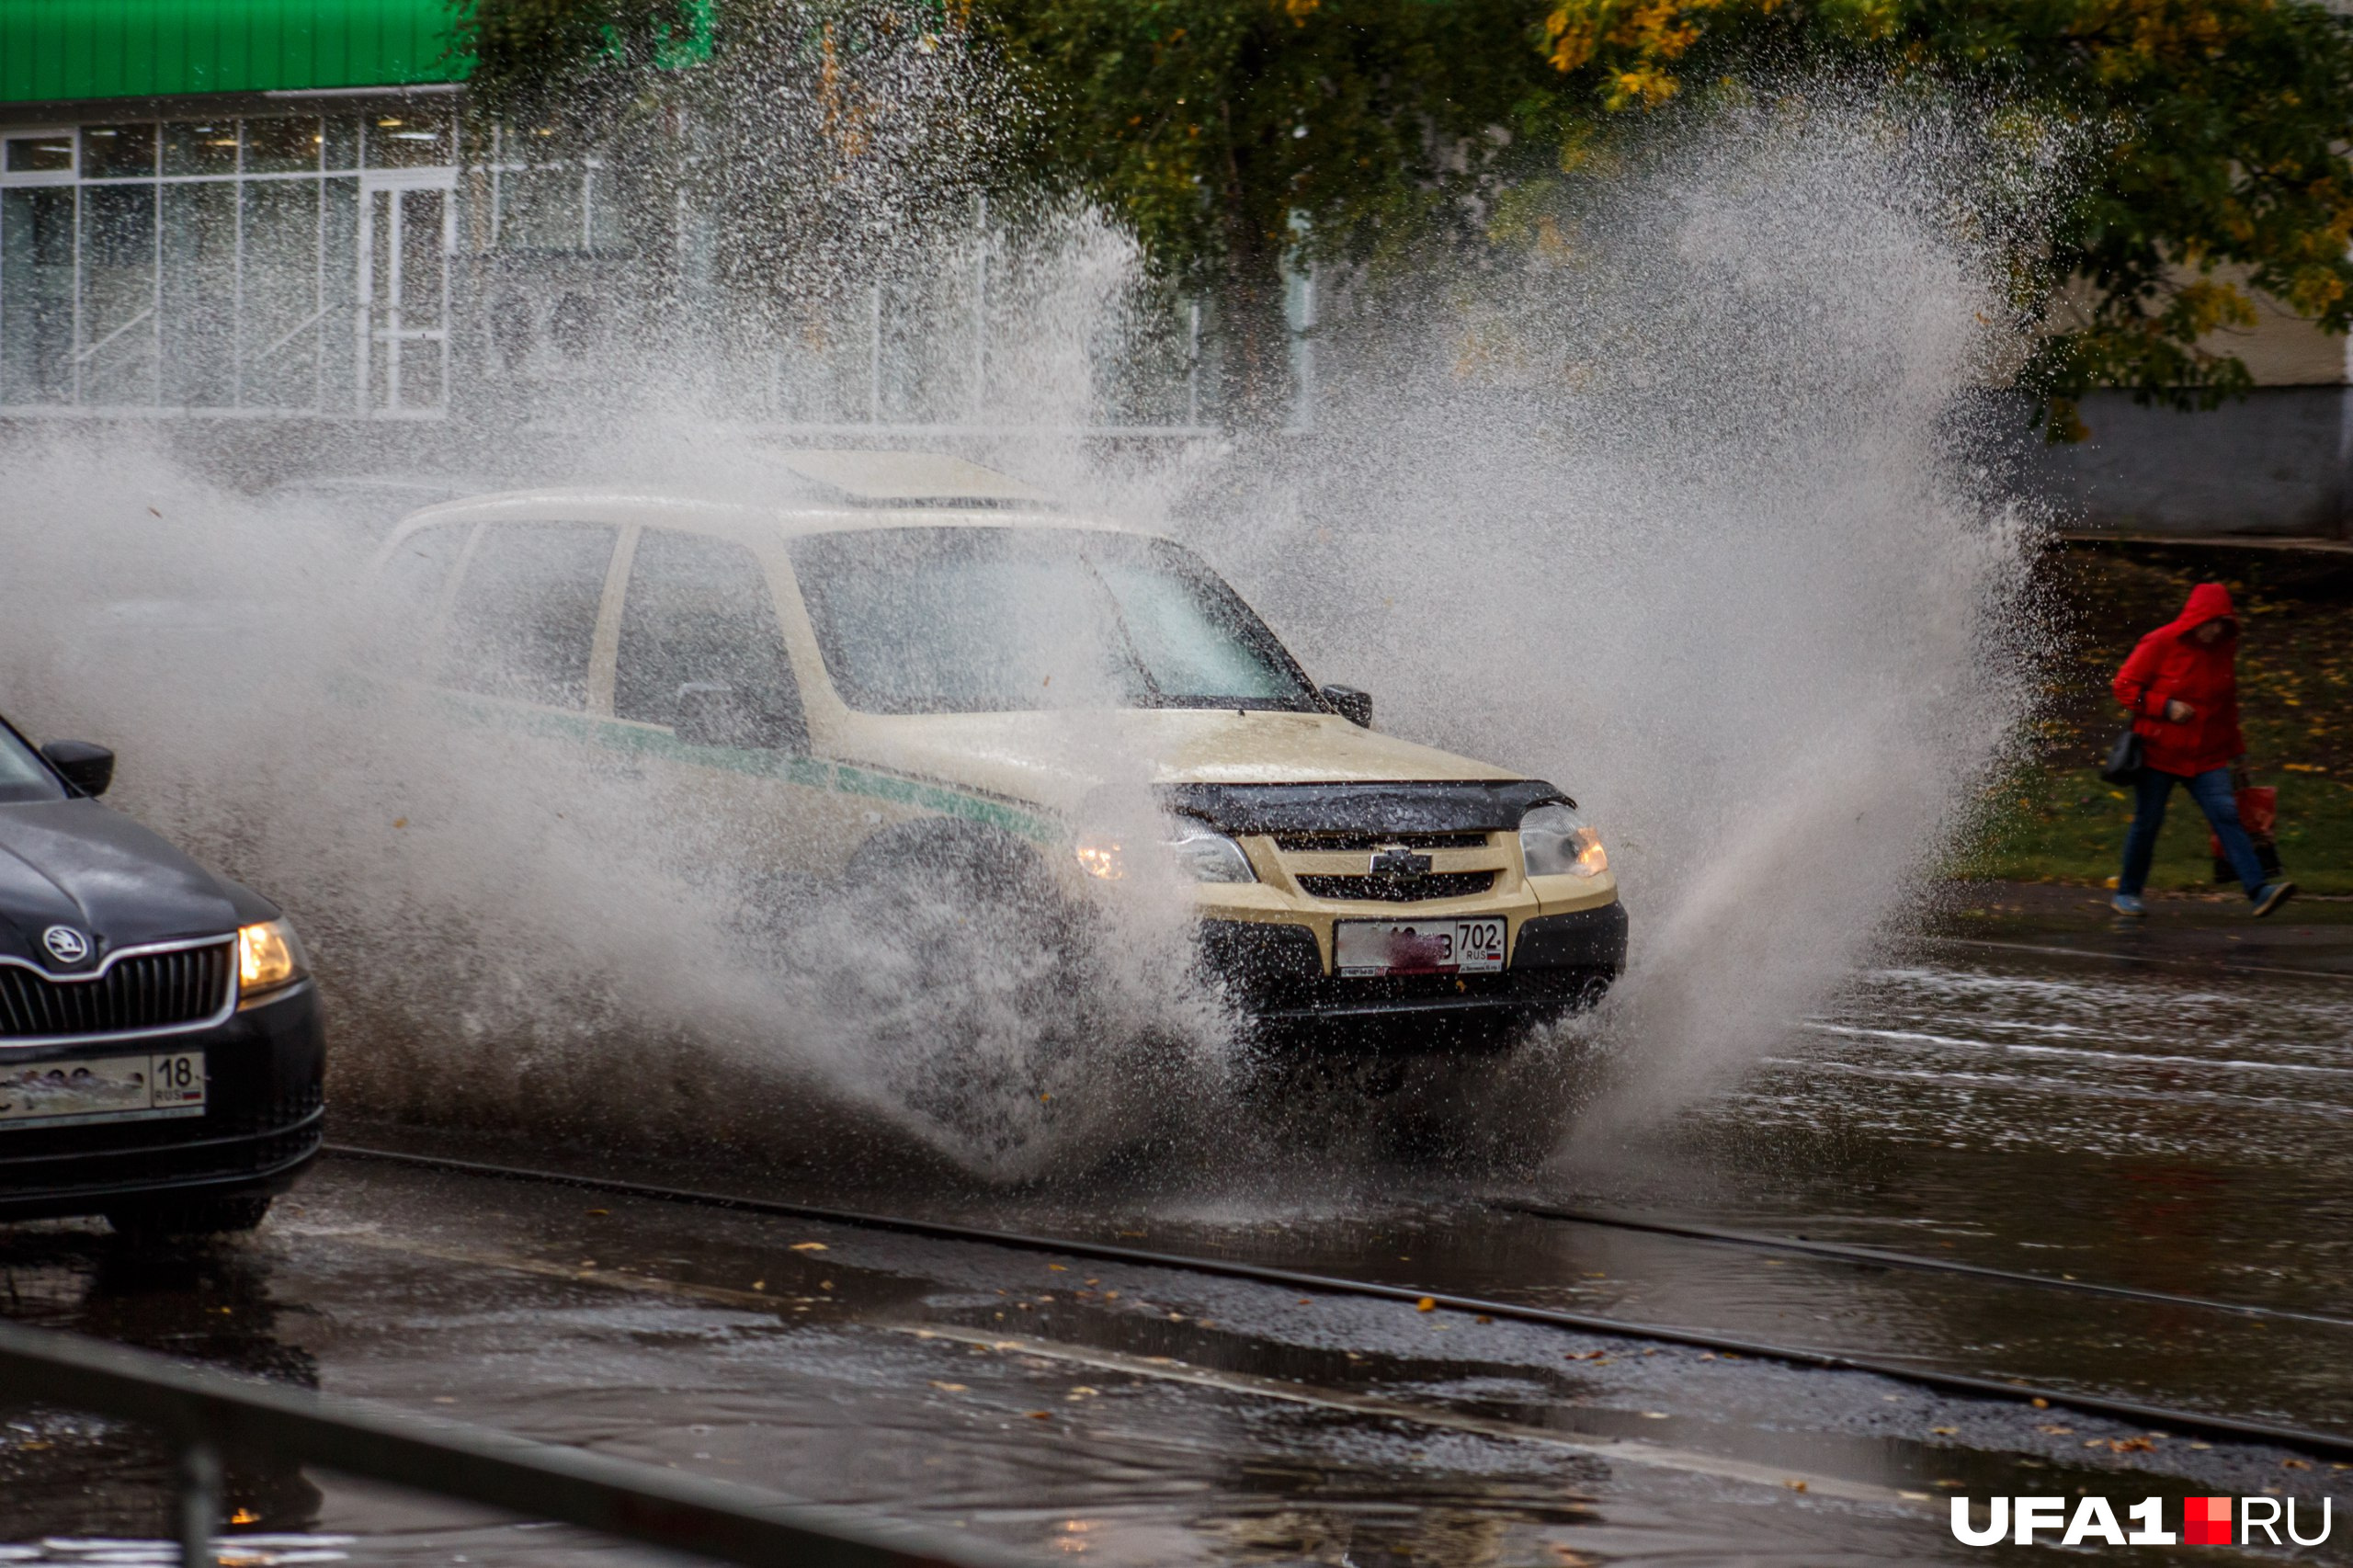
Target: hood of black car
76,864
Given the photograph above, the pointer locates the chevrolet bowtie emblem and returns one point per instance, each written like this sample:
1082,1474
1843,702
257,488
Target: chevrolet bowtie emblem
1400,862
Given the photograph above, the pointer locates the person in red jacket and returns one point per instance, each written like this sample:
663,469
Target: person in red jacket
2182,684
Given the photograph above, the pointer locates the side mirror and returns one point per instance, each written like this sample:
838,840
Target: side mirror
711,713
1349,704
87,767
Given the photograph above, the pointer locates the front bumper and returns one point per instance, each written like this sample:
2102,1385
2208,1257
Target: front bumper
1276,973
262,1120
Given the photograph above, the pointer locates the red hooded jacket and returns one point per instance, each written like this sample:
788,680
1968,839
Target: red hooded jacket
2169,666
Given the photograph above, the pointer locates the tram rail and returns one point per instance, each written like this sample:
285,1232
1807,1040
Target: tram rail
2333,1446
1879,1257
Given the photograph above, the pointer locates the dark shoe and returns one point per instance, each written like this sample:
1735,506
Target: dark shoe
2271,896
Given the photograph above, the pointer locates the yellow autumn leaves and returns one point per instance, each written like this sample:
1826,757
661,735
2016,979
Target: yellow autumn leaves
1636,41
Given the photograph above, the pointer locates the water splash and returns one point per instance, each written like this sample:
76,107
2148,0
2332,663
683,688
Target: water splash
1695,514
1684,513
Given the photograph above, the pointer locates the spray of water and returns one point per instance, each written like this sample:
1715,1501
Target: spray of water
1679,514
1693,513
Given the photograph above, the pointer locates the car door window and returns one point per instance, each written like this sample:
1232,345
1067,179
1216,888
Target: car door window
700,610
525,619
407,591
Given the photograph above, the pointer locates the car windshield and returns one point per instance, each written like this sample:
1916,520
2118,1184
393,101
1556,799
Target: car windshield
22,776
1001,620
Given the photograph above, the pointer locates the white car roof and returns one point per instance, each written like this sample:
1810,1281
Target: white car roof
842,491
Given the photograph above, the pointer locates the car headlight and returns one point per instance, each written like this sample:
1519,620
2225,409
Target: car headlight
268,955
1201,855
1554,841
1207,857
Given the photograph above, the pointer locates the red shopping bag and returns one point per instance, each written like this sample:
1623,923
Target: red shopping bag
2259,814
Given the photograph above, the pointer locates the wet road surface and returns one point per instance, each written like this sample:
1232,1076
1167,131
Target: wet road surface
2180,1129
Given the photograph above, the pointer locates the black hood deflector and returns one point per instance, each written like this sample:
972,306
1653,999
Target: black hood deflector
1475,806
76,863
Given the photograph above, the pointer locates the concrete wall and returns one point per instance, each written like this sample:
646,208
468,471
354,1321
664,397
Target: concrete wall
2275,464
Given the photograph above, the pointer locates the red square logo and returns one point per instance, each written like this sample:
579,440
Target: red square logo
2206,1521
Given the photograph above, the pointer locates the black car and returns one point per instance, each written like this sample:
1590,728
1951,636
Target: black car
161,1053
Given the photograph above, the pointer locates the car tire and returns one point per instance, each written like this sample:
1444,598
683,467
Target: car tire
988,1061
191,1217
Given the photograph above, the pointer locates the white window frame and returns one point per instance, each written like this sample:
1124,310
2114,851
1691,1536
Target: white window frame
71,176
396,182
336,398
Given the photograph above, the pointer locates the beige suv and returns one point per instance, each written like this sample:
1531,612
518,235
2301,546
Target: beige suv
918,660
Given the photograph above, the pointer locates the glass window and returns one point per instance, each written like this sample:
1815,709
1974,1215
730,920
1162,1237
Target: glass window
526,614
608,226
119,294
198,296
409,138
539,210
208,148
280,327
1190,635
405,594
48,155
339,141
699,609
117,151
22,776
37,295
339,269
282,146
988,619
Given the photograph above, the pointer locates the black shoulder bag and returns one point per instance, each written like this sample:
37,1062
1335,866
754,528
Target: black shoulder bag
2124,764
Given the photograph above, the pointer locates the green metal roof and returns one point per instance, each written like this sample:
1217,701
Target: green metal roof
118,48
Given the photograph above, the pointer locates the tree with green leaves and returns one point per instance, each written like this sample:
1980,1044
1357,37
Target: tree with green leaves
810,140
1240,137
2214,138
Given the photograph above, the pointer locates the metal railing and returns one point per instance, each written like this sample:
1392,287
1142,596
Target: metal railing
205,1414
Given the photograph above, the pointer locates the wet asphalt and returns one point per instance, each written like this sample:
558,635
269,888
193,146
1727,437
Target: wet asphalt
2171,1119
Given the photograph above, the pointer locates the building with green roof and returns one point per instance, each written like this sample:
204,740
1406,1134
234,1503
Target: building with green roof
240,207
71,53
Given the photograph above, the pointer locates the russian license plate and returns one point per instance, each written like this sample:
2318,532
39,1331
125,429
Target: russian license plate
1452,946
102,1088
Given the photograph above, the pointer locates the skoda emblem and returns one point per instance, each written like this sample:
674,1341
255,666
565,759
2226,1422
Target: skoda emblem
65,944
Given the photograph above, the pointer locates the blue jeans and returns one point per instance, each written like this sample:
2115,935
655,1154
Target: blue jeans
2212,789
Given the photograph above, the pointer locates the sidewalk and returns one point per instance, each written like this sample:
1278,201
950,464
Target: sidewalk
2310,936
